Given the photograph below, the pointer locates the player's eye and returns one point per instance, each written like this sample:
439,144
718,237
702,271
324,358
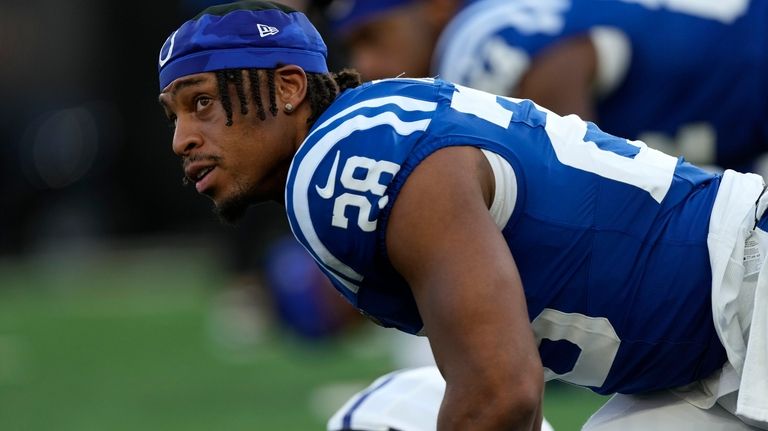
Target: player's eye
172,121
202,102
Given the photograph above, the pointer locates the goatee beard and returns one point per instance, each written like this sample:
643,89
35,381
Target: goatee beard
232,210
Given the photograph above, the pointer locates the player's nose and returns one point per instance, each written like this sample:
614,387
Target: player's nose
185,138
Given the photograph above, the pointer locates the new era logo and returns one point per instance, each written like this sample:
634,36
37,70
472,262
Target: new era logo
265,30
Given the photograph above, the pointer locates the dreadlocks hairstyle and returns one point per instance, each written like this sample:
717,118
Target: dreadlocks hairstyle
253,76
223,78
322,89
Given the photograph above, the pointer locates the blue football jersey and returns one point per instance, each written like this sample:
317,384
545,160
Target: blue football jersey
609,236
696,82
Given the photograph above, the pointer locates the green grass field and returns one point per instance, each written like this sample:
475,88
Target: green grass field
125,341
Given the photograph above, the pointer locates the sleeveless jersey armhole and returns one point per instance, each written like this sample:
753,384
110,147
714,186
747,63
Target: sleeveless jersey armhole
505,194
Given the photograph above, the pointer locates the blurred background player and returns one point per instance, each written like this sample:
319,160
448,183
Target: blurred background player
302,298
624,63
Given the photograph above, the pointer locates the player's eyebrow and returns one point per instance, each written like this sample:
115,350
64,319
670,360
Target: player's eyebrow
178,86
183,83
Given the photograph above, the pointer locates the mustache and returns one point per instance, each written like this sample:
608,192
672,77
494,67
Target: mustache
186,161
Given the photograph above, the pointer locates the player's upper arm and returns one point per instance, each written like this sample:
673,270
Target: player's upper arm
442,239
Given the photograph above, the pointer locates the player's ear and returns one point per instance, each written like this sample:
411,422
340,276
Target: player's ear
290,85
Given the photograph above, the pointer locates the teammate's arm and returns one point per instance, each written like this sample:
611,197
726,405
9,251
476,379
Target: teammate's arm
562,78
442,239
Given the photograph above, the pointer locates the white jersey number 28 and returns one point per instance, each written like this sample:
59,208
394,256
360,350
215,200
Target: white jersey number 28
370,183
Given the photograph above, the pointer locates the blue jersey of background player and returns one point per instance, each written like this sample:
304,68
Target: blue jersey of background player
694,73
609,235
687,77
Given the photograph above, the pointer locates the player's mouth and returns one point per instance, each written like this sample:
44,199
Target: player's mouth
200,174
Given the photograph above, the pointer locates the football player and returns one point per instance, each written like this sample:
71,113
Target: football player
525,245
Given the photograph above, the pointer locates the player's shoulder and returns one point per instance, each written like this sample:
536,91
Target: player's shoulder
338,184
347,174
372,121
419,88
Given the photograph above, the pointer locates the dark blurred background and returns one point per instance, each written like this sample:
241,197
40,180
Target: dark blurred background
86,155
86,152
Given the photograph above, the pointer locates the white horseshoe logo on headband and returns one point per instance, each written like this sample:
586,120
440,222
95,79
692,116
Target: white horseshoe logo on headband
170,50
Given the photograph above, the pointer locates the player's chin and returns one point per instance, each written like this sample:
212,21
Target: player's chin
232,209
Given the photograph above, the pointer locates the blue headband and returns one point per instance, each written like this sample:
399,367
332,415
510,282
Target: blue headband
242,38
345,14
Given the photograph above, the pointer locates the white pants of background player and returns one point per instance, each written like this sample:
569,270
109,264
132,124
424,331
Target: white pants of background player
404,400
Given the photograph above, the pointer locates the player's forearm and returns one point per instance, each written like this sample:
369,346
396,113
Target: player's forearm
510,410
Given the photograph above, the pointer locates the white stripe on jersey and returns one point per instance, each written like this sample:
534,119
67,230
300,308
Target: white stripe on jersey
404,103
311,160
650,170
427,80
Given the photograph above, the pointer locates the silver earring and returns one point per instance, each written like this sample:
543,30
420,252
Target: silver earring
288,108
